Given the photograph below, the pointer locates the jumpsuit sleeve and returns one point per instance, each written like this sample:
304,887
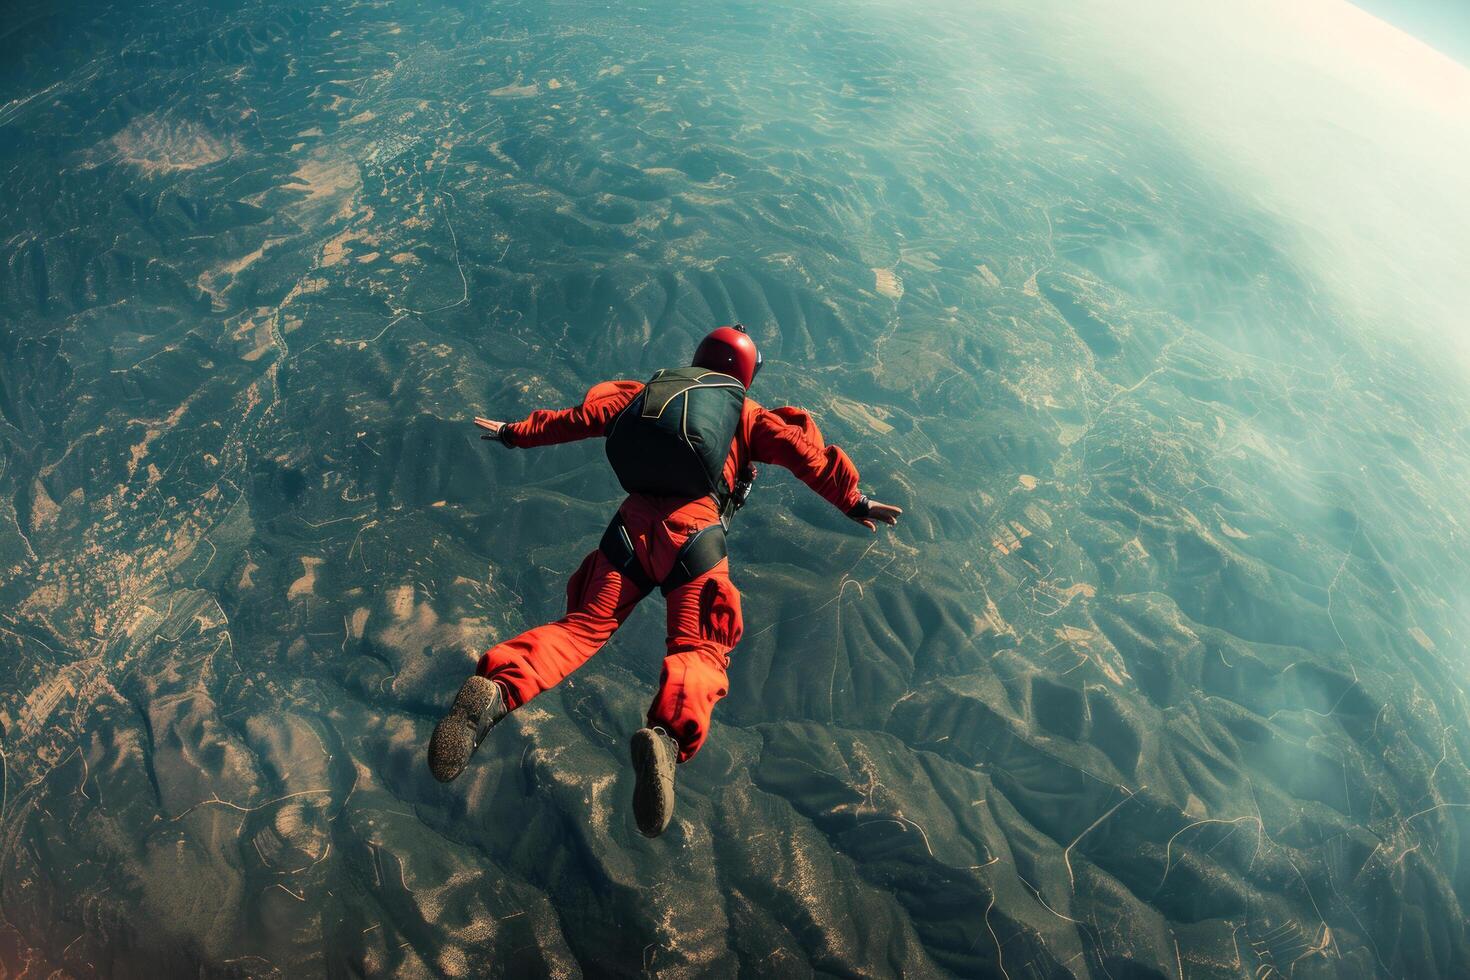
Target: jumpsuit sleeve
548,427
787,437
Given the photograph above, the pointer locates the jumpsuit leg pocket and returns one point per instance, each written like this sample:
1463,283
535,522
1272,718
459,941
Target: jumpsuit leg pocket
719,613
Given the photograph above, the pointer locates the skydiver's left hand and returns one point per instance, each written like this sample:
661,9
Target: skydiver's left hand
492,429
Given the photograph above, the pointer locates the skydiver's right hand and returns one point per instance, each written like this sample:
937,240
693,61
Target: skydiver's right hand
871,513
881,513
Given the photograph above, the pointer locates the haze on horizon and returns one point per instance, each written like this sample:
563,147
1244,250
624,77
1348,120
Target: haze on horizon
1353,131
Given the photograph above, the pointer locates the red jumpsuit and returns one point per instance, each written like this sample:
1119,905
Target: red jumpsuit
703,615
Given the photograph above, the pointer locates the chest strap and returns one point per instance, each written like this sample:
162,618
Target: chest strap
699,554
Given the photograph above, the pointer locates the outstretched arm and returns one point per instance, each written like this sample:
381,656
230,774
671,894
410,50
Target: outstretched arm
547,427
789,438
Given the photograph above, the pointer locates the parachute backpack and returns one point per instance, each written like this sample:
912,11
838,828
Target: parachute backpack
672,441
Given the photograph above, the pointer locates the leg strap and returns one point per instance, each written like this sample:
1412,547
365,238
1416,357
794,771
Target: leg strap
699,554
617,547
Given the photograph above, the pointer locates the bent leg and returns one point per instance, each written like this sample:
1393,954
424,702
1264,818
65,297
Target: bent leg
704,624
599,598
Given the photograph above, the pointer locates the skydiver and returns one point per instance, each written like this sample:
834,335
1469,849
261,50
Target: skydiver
684,446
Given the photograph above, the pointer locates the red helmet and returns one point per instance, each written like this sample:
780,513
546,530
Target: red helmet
729,350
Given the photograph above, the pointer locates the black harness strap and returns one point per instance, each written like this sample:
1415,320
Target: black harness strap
617,547
699,554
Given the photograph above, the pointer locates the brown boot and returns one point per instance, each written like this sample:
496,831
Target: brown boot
654,756
478,706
